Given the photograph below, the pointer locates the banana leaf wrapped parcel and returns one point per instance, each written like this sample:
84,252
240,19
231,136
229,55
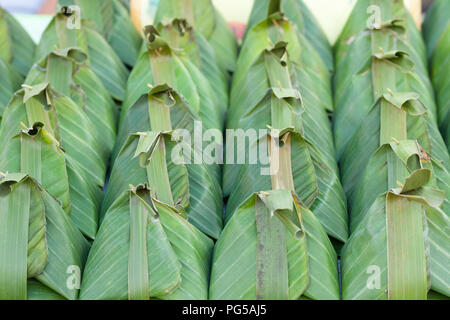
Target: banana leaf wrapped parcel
146,249
42,252
275,243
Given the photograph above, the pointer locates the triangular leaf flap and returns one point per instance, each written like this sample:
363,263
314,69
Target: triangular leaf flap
68,250
149,246
238,243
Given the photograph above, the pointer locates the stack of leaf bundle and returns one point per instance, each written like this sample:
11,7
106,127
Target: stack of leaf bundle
207,21
436,30
251,91
275,243
392,157
198,183
63,32
41,250
69,120
113,21
161,203
298,13
16,57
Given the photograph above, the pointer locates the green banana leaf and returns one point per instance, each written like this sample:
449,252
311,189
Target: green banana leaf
367,272
206,20
436,296
16,57
9,83
308,67
181,36
146,250
289,72
38,241
273,248
298,13
102,59
436,30
113,21
126,4
37,291
78,138
196,188
160,64
16,46
435,25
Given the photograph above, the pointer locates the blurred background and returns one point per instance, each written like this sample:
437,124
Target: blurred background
29,6
331,14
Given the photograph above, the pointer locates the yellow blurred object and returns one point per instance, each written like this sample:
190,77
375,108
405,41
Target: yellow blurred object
331,14
415,7
135,12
